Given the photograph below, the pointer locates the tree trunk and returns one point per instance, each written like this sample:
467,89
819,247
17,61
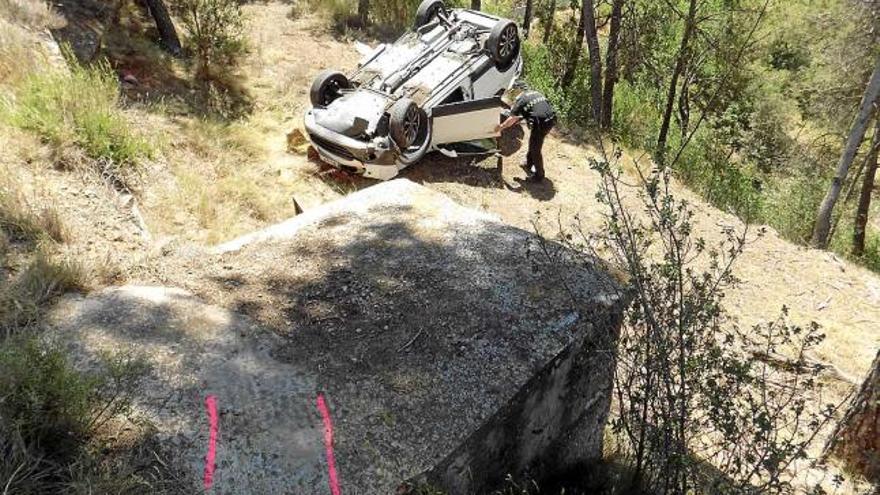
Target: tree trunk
680,61
595,61
548,18
861,222
165,26
860,125
856,439
611,63
574,58
476,5
527,19
364,12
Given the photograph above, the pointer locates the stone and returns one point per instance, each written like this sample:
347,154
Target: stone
453,359
297,142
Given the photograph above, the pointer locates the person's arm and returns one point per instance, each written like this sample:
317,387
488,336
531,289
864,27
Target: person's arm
508,123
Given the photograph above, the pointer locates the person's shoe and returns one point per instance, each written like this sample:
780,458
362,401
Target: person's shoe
536,178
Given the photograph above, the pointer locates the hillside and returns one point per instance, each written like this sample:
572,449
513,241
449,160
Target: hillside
210,180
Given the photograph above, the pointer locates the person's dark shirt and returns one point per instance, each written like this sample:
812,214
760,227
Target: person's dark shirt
532,106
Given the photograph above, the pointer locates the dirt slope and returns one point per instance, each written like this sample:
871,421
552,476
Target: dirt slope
842,297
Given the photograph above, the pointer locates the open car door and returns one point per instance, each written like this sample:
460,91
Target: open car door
466,120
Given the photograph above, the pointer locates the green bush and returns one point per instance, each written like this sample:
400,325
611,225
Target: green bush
45,402
544,69
871,258
50,414
635,119
81,108
215,32
792,203
706,166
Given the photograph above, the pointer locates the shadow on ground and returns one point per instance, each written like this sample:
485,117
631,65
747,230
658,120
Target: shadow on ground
418,326
125,35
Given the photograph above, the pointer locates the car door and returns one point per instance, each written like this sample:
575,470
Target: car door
466,120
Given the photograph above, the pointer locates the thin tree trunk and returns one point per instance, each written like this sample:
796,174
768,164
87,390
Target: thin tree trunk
611,63
527,19
548,18
476,4
680,61
860,126
595,61
861,222
167,32
364,12
856,439
574,57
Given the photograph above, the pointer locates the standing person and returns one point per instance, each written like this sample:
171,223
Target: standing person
540,117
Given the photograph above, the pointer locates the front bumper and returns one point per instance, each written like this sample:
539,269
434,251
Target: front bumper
374,159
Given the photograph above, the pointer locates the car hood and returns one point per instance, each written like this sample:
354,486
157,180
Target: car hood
353,114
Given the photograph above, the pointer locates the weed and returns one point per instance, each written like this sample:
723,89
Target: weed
17,220
21,222
80,108
50,417
23,298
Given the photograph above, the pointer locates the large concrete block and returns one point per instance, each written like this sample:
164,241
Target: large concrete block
447,354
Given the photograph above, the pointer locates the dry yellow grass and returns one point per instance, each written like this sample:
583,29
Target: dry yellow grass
223,179
36,14
23,25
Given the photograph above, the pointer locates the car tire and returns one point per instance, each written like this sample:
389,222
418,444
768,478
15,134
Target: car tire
504,43
428,9
405,122
412,149
327,87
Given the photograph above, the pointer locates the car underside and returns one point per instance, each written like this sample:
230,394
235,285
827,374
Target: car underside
439,83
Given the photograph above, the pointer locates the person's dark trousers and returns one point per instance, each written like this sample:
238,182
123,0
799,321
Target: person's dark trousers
534,158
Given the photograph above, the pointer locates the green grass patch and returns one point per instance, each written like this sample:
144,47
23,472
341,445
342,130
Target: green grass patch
80,108
52,417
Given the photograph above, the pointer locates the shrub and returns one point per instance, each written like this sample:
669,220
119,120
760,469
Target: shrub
705,164
215,33
702,406
792,203
635,120
871,257
80,108
50,414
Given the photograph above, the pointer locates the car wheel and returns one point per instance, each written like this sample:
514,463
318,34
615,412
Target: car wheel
327,87
427,11
503,43
410,129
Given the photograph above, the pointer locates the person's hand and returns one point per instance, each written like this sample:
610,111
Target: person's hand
498,128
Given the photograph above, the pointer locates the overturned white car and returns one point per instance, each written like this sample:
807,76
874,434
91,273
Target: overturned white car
439,83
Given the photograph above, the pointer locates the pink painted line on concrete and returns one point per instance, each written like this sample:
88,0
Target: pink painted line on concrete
328,445
211,406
